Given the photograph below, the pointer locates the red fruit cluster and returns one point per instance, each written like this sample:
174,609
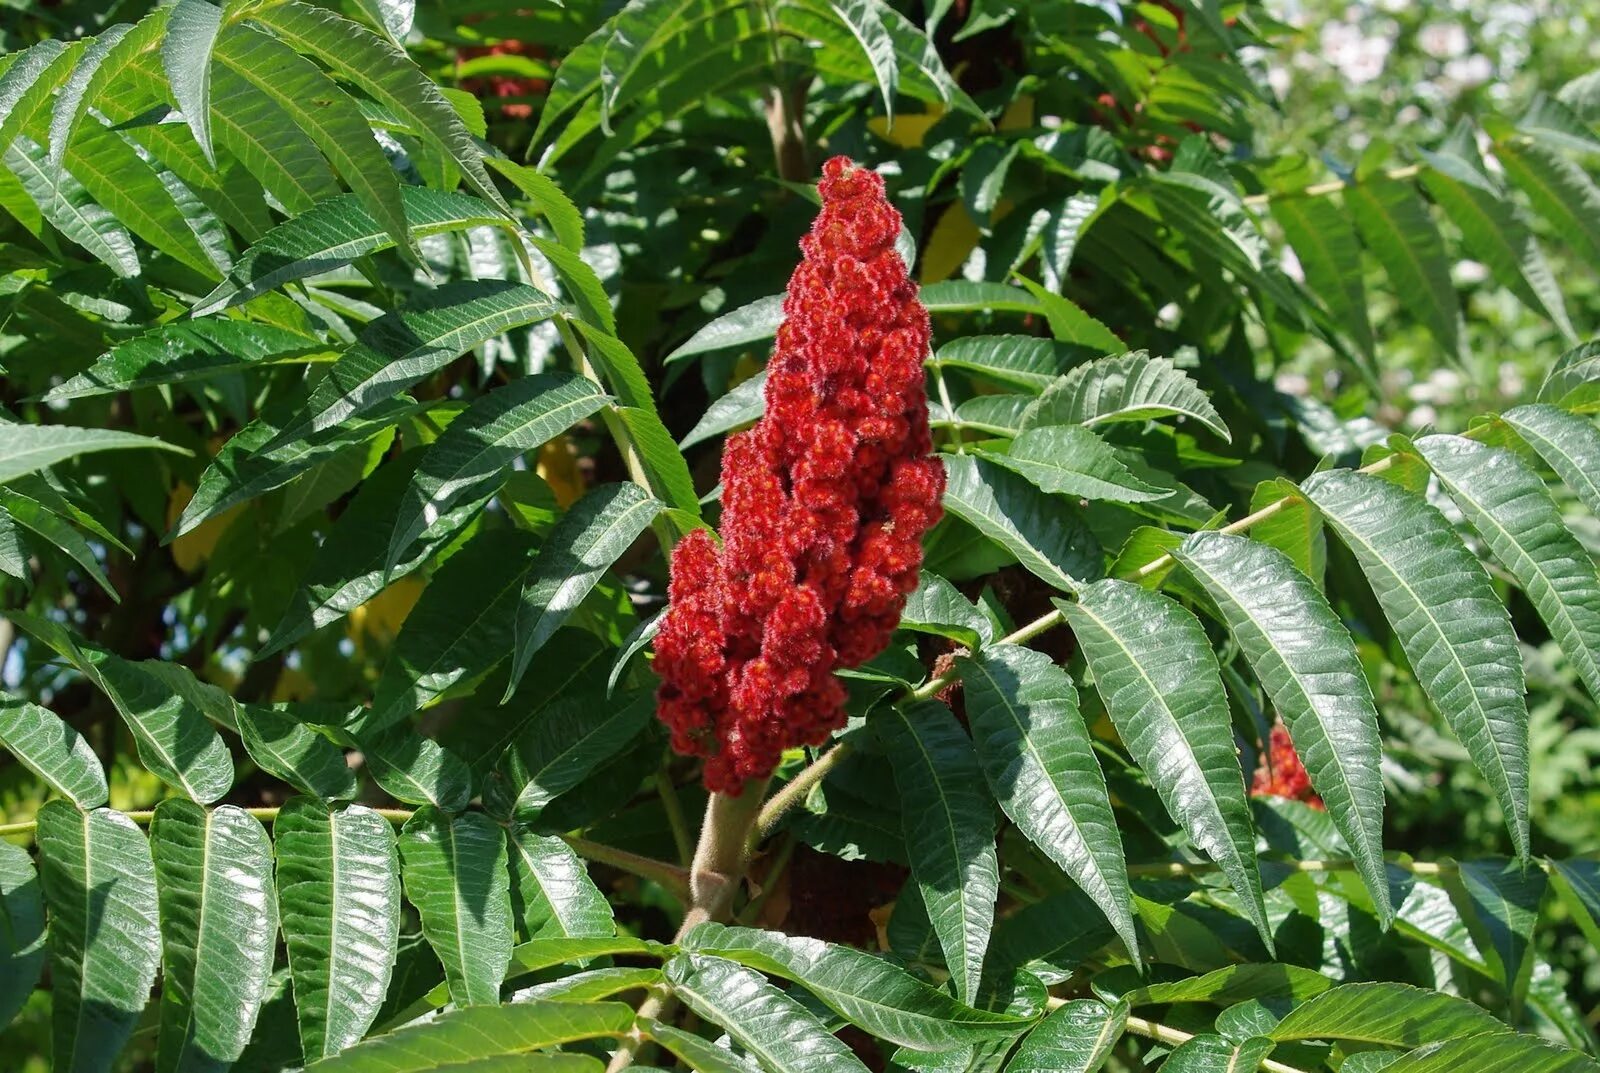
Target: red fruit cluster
500,87
1281,773
824,504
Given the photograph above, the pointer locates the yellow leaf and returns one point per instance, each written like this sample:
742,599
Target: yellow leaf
380,618
907,131
954,237
558,465
192,549
1018,114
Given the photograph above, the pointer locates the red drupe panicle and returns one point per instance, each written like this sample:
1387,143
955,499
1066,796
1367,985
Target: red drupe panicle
1281,773
824,505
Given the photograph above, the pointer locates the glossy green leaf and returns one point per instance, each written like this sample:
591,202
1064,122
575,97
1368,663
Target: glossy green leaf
1578,884
949,832
394,17
1234,983
387,74
1039,761
348,567
1155,670
1294,529
740,406
1390,1014
1503,1053
335,233
1043,533
548,198
181,352
866,25
339,899
1307,662
552,895
455,874
27,448
1560,191
57,533
1499,901
1396,227
592,985
938,607
1454,631
752,323
293,752
241,470
567,740
467,461
1208,1053
1025,361
866,990
1573,382
1509,506
52,750
591,536
100,888
696,1052
413,768
460,627
1330,255
1073,461
186,55
1126,387
783,1035
70,208
22,930
1076,1038
318,107
219,928
1569,444
1071,324
459,1038
401,348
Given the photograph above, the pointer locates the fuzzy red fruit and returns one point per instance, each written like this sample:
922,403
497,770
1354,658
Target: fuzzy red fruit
824,505
1281,773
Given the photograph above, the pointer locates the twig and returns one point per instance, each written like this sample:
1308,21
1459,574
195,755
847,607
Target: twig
674,810
1332,186
1176,1037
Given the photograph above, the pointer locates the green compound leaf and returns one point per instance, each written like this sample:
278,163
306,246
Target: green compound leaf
52,750
455,874
22,939
552,895
1076,1038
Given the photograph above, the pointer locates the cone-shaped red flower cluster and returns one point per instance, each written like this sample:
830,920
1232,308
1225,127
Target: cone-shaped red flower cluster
824,504
1281,774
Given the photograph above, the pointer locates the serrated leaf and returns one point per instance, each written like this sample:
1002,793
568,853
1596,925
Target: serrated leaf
1499,901
699,1054
70,208
55,532
175,742
1155,670
348,567
591,985
415,769
1071,460
1234,983
1022,360
403,347
1396,227
100,888
1388,1014
336,232
548,198
591,536
241,470
751,323
219,928
393,16
339,898
1560,191
455,874
1495,234
70,104
324,111
1578,884
1307,662
187,351
552,895
1295,529
1208,1053
744,404
866,25
1046,535
1509,506
1502,1052
28,448
52,750
295,753
1330,255
22,936
469,459
1573,382
1455,633
387,74
565,742
1070,324
867,991
938,607
949,832
460,627
466,1036
1569,444
1039,761
1549,120
1125,387
186,56
780,1032
1076,1038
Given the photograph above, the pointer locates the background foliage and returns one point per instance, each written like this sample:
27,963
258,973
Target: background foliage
361,360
